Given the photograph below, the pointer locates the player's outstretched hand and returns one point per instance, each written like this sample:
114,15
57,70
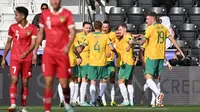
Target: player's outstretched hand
34,59
128,49
78,61
108,55
169,66
3,63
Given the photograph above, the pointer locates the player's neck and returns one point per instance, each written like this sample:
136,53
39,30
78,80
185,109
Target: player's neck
23,23
55,10
97,30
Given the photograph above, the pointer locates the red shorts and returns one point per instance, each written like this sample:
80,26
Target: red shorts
23,67
56,64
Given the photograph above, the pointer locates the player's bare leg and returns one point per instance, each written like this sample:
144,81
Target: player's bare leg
66,92
83,90
103,86
48,93
13,93
24,93
130,91
123,91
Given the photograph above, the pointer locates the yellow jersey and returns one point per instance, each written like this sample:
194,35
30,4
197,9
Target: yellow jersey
72,56
80,38
97,43
112,38
124,57
156,35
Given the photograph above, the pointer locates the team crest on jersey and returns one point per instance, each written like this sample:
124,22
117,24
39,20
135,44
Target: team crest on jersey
28,32
62,19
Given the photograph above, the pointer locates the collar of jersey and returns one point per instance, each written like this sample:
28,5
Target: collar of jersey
97,33
24,26
59,11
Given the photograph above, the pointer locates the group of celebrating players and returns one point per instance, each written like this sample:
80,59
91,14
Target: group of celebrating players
83,57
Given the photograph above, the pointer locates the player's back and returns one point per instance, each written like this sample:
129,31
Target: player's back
97,43
156,36
56,28
21,37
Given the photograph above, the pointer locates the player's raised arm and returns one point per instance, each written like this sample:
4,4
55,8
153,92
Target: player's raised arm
112,48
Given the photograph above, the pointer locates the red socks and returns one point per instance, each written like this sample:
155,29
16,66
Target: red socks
48,93
13,93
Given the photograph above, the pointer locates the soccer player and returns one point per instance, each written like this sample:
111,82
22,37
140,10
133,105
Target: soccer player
83,68
23,36
97,43
75,60
110,62
125,48
155,35
60,32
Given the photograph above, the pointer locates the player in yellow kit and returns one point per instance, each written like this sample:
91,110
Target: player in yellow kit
97,43
124,46
155,38
83,68
110,62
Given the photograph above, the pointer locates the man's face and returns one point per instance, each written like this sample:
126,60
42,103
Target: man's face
150,20
106,28
56,4
117,33
87,28
121,30
18,16
44,7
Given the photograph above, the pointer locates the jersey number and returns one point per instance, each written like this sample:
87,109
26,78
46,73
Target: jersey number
161,37
97,46
14,69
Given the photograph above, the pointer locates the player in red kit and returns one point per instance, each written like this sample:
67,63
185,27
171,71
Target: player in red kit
59,27
23,36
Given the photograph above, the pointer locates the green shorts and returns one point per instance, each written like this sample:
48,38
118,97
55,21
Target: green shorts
83,71
97,72
153,66
110,68
126,71
74,71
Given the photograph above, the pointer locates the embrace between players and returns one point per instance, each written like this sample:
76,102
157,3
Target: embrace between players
93,52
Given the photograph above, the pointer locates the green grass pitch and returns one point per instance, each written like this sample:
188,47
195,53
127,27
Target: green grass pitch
116,109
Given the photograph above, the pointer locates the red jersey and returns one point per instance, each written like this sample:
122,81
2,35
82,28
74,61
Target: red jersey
21,37
56,27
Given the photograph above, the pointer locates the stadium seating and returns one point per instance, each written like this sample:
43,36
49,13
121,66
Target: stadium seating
177,15
131,28
144,3
116,16
186,3
142,28
194,15
188,32
136,16
160,11
126,4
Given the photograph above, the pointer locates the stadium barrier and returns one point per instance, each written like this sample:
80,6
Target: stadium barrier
181,87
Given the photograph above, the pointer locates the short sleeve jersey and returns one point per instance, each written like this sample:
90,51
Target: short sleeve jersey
156,35
97,43
111,37
21,37
80,39
56,27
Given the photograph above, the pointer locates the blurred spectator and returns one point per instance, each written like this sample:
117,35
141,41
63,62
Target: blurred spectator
95,5
178,60
36,19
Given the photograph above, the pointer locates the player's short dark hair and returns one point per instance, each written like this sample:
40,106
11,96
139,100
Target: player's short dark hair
97,25
22,10
106,22
44,4
122,25
86,22
153,14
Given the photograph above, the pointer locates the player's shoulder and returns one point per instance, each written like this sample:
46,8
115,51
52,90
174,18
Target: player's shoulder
32,26
79,33
45,11
14,25
66,11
